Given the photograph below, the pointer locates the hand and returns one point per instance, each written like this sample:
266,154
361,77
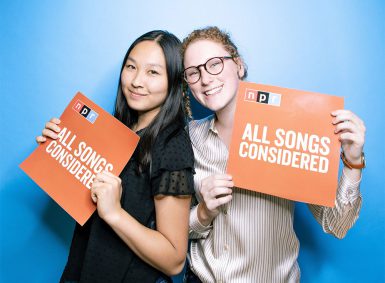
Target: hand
352,134
51,130
106,192
216,191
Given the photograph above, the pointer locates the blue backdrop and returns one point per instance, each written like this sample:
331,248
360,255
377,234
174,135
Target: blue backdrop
51,49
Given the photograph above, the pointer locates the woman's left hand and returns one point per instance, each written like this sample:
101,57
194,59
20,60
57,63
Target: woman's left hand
351,130
106,191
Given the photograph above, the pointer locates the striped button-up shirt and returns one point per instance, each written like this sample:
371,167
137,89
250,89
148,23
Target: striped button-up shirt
252,239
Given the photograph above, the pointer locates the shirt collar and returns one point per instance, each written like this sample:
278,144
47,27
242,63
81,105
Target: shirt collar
212,124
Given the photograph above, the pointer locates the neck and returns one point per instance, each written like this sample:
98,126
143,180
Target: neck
225,121
144,119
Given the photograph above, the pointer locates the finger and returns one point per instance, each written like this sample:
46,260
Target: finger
111,175
223,177
106,178
355,119
340,112
217,177
218,192
346,115
94,193
340,119
223,183
52,126
96,184
98,189
346,126
40,139
212,182
49,134
351,138
219,201
55,120
94,197
209,186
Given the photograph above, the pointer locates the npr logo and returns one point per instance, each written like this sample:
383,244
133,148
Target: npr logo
264,97
85,111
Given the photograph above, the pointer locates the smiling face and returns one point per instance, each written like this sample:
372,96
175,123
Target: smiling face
144,79
215,92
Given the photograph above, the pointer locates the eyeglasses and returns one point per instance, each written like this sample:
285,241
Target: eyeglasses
213,66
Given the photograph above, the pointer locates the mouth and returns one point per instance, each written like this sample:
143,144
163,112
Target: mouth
136,94
214,90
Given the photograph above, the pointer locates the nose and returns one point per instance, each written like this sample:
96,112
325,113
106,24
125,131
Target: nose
206,78
137,80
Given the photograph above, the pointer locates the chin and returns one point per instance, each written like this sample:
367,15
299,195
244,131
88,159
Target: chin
214,107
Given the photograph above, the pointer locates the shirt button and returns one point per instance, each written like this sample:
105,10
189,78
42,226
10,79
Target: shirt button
226,247
350,191
225,212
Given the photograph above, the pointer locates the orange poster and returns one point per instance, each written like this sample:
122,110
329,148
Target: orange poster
90,141
283,143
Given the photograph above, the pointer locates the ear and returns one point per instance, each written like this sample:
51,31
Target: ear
241,67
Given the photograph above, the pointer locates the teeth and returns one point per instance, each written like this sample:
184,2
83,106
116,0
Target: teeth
214,90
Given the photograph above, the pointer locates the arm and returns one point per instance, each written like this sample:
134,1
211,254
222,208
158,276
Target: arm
165,248
339,219
215,191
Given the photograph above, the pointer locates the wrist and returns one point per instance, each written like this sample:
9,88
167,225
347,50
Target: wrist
113,217
358,163
204,216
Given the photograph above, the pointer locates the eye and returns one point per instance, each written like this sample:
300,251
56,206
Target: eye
153,72
130,67
192,73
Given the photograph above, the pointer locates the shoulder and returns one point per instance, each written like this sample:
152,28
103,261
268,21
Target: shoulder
171,137
199,129
172,150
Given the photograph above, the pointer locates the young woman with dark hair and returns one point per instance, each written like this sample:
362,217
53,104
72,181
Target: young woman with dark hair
140,230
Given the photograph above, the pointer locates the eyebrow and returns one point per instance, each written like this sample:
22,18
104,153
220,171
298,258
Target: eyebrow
151,64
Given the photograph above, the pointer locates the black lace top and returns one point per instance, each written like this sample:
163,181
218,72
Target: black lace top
97,254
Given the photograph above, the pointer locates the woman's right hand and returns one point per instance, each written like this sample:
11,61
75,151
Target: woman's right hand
51,130
216,191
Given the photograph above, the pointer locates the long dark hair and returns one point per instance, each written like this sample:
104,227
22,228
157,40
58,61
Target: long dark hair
172,110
